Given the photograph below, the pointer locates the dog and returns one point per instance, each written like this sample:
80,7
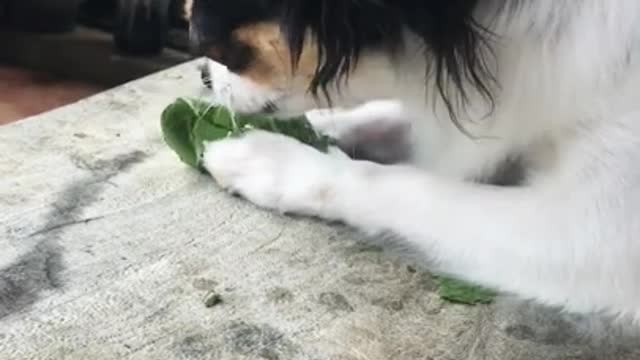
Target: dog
551,88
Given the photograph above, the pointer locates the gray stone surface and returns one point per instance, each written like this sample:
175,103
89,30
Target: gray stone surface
109,246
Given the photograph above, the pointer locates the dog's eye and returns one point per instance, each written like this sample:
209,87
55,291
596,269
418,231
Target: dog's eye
236,56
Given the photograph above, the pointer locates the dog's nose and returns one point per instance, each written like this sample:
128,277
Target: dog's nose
205,75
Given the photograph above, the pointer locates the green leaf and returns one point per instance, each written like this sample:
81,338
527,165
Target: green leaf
177,121
462,292
188,123
222,118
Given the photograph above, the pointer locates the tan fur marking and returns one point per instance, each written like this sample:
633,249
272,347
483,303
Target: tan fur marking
271,65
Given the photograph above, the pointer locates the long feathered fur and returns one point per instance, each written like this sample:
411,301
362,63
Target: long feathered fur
457,46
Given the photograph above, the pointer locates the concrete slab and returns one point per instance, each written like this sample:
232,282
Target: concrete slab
109,246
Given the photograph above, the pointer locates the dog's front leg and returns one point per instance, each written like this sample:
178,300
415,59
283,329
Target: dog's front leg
567,240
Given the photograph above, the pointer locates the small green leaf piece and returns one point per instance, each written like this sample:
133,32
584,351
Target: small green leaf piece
461,292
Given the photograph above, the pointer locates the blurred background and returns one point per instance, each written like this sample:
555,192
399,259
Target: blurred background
55,52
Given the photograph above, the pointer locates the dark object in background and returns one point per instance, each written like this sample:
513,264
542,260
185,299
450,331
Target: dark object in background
44,16
86,53
139,27
142,26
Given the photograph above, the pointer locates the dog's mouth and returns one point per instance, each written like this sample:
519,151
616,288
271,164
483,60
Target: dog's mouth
269,108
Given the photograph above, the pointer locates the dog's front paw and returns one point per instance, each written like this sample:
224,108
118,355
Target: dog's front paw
276,172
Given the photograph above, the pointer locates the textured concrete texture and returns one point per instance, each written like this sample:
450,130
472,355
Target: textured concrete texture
109,246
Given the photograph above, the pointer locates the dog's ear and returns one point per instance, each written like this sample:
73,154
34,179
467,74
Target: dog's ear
341,29
458,49
456,46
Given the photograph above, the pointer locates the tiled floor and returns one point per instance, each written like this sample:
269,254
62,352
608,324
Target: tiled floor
24,93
